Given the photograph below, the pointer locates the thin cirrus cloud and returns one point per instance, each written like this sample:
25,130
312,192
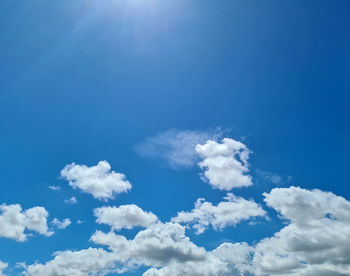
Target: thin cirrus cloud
99,181
176,147
315,241
227,213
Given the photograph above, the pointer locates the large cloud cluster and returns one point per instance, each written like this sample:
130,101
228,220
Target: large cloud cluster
315,242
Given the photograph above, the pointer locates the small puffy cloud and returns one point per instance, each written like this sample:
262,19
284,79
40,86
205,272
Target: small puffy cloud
226,213
225,164
124,216
61,224
315,242
3,266
55,188
176,147
99,180
15,222
72,200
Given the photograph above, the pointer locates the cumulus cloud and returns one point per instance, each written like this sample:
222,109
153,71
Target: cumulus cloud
72,200
91,261
176,147
225,164
158,245
315,242
226,213
61,224
99,180
124,216
15,222
3,266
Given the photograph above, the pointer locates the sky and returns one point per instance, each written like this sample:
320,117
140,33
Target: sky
179,137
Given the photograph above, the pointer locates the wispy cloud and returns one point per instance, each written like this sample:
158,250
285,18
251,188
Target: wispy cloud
72,200
177,147
268,178
55,188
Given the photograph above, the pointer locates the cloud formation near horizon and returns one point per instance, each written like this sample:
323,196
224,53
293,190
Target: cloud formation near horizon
314,238
314,242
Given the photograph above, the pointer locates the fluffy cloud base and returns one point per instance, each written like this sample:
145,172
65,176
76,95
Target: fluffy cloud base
315,241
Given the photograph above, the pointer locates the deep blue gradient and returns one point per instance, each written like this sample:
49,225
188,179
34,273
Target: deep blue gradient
83,81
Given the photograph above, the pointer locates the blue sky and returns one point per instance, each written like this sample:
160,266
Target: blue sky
140,84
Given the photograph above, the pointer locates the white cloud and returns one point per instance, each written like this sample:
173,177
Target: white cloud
315,242
158,245
226,213
124,216
225,164
91,261
3,266
14,222
176,147
99,180
72,200
61,224
55,188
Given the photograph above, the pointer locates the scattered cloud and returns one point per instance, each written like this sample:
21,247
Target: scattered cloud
61,224
124,216
176,147
79,221
99,180
15,222
225,164
72,200
55,188
226,213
